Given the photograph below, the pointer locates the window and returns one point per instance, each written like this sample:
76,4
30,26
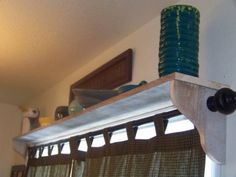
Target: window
118,136
45,152
146,131
83,145
54,149
66,148
178,124
98,141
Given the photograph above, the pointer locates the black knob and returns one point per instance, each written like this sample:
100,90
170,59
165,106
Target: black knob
224,101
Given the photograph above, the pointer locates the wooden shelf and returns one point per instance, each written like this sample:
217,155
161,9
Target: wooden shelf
176,91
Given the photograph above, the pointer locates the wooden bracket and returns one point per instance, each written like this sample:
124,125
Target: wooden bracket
190,99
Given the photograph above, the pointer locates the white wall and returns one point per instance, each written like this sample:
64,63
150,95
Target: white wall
10,117
217,60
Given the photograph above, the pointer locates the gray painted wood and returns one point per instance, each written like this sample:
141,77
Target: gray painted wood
190,99
186,93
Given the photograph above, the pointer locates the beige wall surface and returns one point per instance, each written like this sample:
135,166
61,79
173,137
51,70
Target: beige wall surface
144,43
10,117
216,58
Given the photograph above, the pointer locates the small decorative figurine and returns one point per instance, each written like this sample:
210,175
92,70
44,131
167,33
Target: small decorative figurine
30,119
60,112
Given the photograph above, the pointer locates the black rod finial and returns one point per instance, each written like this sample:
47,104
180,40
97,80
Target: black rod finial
223,101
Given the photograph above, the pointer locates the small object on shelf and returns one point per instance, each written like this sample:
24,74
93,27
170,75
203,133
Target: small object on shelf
44,121
223,101
60,112
89,97
126,88
30,119
179,40
75,106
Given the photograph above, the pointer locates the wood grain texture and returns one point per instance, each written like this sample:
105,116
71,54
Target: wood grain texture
116,72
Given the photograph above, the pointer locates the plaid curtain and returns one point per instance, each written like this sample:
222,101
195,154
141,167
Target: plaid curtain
172,155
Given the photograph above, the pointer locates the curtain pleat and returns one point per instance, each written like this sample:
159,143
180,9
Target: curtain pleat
78,168
49,171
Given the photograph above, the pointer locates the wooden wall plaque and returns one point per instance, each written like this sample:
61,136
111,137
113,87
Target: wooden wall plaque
113,74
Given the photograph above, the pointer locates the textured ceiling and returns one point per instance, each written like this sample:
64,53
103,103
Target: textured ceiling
42,41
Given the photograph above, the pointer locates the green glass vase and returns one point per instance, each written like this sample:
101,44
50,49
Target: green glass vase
75,106
179,40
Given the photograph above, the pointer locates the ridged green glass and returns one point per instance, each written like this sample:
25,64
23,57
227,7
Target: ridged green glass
179,40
